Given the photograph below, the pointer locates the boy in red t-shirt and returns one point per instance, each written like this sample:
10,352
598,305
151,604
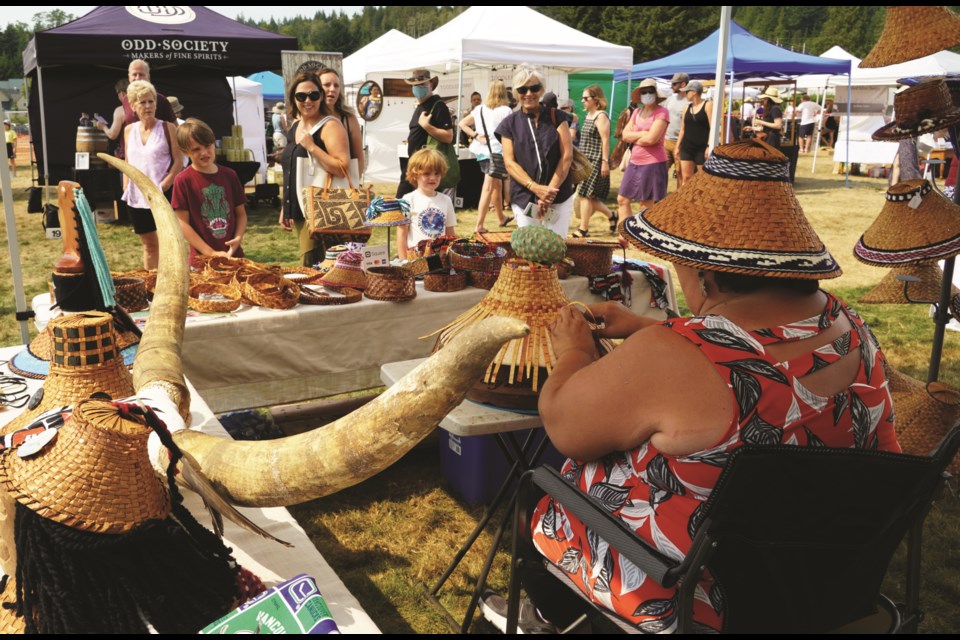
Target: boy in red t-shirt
208,199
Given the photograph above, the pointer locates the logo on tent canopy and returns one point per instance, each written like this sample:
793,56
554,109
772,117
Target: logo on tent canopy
163,15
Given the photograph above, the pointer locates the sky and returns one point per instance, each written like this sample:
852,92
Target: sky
25,13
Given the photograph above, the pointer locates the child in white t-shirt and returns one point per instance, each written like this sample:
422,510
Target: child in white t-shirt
431,212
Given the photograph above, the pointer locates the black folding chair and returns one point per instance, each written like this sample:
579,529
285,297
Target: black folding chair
798,538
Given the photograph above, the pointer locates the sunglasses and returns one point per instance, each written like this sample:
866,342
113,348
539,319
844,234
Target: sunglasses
648,92
302,97
585,98
534,88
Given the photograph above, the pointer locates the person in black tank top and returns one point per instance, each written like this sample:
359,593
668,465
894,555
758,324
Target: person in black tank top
694,135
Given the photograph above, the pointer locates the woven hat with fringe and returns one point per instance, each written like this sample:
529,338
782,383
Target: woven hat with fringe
890,289
913,32
923,108
94,476
84,360
531,293
387,212
916,225
346,272
739,214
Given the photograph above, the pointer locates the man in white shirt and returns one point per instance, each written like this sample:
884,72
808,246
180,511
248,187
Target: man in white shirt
675,104
809,112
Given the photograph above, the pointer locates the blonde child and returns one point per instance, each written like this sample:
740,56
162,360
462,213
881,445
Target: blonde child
431,212
207,198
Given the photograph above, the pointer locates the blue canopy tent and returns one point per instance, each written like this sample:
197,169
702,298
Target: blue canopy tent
747,57
272,84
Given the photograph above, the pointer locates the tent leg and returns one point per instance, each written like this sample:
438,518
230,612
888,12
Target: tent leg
13,243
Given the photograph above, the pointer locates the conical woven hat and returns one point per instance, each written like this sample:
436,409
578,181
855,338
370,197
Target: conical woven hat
346,272
913,32
84,360
923,108
34,360
925,413
890,289
916,225
94,476
739,215
531,293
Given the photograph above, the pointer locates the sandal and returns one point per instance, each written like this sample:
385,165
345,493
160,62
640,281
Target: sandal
507,221
580,233
481,230
614,221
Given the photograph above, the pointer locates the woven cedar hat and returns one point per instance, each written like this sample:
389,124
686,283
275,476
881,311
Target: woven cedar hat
85,360
916,225
94,476
925,412
890,289
738,215
531,293
913,32
330,257
347,272
922,108
387,212
34,360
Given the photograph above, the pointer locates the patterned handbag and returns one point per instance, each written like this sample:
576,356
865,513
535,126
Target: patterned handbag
338,211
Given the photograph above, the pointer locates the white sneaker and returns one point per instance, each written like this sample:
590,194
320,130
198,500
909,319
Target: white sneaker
494,609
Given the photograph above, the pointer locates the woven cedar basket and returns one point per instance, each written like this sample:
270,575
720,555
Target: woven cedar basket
476,256
130,293
271,291
301,275
317,294
498,239
445,282
208,297
590,258
392,284
924,413
482,279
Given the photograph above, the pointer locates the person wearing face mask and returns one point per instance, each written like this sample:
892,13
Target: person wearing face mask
431,119
645,180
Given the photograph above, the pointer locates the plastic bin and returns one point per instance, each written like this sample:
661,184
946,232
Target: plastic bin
475,467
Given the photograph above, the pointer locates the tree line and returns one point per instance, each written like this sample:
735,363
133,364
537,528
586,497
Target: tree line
652,31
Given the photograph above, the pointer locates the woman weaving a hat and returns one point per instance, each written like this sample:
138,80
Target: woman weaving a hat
767,358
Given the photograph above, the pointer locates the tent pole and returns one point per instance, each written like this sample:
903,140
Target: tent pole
456,129
726,138
816,140
849,102
43,134
722,43
14,245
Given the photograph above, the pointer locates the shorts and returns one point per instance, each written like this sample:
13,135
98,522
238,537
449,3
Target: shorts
142,220
806,130
670,146
11,154
644,182
696,155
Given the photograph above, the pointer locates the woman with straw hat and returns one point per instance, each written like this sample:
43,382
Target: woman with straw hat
769,126
645,180
767,358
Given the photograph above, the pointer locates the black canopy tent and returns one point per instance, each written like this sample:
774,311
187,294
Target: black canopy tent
191,51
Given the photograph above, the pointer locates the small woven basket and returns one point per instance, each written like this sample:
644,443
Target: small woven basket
498,239
482,279
130,293
393,284
317,294
301,275
445,282
208,297
590,258
476,256
271,291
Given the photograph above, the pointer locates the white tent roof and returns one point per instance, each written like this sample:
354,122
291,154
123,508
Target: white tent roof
938,64
355,65
504,35
819,80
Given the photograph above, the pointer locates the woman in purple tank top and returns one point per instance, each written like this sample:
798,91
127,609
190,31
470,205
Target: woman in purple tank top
149,147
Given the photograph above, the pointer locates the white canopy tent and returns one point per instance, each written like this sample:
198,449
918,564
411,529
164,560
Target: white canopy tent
480,44
355,66
248,113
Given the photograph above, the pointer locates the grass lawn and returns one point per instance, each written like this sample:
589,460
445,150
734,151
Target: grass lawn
395,533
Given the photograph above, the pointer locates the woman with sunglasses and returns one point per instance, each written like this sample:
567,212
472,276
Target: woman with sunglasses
645,180
595,145
316,133
694,131
537,152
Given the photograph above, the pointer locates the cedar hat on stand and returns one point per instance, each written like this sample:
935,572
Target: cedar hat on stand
923,108
926,287
913,32
916,225
740,215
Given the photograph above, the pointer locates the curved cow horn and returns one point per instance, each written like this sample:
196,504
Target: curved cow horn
158,363
320,462
323,461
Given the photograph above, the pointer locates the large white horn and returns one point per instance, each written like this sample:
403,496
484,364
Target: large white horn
323,461
158,361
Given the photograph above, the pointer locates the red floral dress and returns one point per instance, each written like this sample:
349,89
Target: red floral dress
662,496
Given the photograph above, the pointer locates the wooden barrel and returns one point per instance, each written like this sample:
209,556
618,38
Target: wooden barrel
93,141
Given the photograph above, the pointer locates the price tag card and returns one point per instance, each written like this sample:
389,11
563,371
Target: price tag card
82,161
375,256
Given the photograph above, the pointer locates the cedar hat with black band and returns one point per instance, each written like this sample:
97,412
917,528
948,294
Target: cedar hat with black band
739,215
